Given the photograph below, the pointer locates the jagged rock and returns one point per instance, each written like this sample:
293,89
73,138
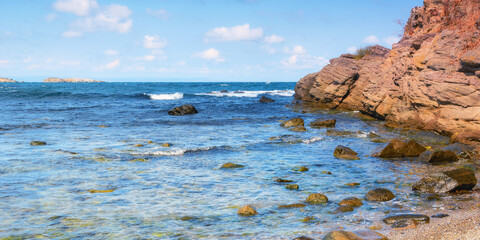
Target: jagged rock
351,201
441,156
345,153
427,81
448,181
379,195
183,110
398,148
419,218
356,235
264,99
319,123
247,211
316,198
292,123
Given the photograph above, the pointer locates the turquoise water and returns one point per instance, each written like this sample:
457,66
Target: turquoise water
104,173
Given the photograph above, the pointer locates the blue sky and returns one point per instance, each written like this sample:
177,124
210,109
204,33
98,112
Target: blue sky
181,40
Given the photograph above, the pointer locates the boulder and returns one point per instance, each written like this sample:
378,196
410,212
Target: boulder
298,129
448,181
356,235
37,143
264,99
398,148
351,201
292,123
316,198
345,153
441,156
231,165
319,123
419,218
247,211
183,110
379,195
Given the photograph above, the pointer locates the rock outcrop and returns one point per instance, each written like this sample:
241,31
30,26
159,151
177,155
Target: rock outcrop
429,80
70,80
6,80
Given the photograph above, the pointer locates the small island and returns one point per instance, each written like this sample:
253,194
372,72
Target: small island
70,80
7,80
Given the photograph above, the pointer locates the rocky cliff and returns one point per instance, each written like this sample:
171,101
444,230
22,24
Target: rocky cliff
6,80
430,80
70,80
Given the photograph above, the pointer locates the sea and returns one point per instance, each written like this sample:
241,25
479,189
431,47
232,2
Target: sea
106,171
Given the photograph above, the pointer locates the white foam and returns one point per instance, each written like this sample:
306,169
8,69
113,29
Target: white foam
285,93
312,140
166,96
175,152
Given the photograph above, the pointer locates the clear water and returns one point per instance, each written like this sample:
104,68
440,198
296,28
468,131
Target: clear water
93,131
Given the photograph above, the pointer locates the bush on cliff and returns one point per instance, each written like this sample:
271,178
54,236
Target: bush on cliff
362,52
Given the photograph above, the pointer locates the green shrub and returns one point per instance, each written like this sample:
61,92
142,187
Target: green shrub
362,52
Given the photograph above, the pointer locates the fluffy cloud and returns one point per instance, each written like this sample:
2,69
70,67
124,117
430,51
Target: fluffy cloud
298,49
299,59
236,33
273,39
210,54
372,39
154,42
77,7
391,40
111,65
111,52
161,13
114,18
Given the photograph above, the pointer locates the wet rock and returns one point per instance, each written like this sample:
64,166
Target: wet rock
292,123
345,153
298,129
405,224
440,215
379,195
326,172
138,145
353,184
319,123
101,191
316,198
224,91
292,187
37,143
338,133
419,218
166,145
281,180
343,209
398,148
448,181
247,211
303,238
442,156
295,205
351,201
461,150
300,169
264,99
231,165
309,220
356,235
183,110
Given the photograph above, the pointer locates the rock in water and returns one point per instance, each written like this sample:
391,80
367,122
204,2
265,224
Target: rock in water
398,148
449,181
37,143
247,211
419,218
316,198
345,153
183,110
231,165
303,238
356,235
343,209
264,99
292,123
441,156
319,123
379,195
298,129
351,201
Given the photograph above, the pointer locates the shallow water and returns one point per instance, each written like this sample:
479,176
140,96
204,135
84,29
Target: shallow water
108,137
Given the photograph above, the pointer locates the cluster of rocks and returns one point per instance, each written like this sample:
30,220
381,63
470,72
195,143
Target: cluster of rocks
70,80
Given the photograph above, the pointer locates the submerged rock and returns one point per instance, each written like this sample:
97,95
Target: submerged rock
442,156
166,145
247,211
281,180
303,238
264,99
316,198
319,123
379,195
231,165
398,148
353,184
419,218
183,110
448,181
293,123
345,153
343,209
356,235
292,187
351,201
295,205
37,143
298,129
300,169
338,133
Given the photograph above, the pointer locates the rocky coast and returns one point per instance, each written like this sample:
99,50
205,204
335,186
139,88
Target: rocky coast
6,80
70,80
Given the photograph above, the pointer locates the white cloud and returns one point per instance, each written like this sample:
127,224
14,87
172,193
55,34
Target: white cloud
50,17
210,54
298,49
391,40
69,63
299,59
273,39
372,39
154,42
236,33
181,63
111,65
352,49
111,52
77,7
161,13
269,49
114,18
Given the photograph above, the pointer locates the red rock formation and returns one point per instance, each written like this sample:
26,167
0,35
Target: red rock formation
430,80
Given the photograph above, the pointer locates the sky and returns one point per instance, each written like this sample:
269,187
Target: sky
189,40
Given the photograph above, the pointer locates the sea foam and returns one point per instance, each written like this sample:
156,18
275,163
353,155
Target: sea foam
166,96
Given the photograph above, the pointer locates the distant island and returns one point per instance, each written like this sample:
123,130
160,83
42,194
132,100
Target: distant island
6,80
70,80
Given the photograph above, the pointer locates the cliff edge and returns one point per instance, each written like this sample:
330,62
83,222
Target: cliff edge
70,80
6,80
429,80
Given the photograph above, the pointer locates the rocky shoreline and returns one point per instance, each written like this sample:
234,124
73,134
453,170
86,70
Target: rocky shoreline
70,80
3,80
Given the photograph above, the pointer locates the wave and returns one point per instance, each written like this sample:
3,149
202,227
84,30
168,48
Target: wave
312,140
176,152
284,93
166,96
